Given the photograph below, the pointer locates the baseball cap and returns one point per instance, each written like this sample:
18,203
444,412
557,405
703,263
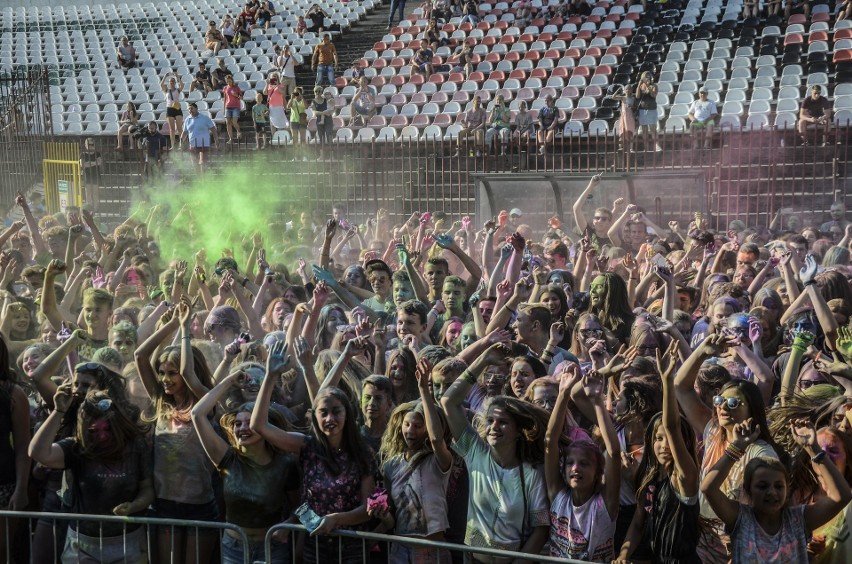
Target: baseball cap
515,211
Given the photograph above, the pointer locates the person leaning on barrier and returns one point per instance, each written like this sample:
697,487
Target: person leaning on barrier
702,114
815,114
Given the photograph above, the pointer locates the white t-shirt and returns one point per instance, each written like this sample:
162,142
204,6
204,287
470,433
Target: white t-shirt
419,495
702,110
583,532
287,64
495,508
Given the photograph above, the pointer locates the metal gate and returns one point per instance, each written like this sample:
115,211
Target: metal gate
63,184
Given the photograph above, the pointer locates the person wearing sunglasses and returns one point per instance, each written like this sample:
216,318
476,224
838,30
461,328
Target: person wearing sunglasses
108,441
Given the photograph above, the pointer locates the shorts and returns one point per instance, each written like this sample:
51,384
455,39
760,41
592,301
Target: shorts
174,112
83,549
261,127
289,82
167,509
199,150
232,113
648,117
422,66
233,551
297,125
361,110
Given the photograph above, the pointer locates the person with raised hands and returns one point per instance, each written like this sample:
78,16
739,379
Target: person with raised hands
176,377
583,507
260,482
666,527
338,469
767,528
416,470
507,507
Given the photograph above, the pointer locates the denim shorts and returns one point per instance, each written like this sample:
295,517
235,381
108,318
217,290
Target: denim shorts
83,549
232,113
233,551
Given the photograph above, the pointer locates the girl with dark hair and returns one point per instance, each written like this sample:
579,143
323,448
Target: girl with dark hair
260,483
522,371
768,527
416,468
107,441
738,401
330,318
667,485
183,484
608,300
584,508
14,461
507,508
338,469
588,339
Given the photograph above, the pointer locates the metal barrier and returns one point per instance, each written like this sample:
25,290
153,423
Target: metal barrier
753,172
367,538
149,524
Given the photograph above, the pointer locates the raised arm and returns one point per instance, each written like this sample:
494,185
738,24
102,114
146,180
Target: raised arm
696,412
430,414
48,294
727,509
824,315
593,386
143,353
42,449
569,377
215,446
801,342
837,493
579,216
685,479
453,400
276,362
39,246
187,362
51,366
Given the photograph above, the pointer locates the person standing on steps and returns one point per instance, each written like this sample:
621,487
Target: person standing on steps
324,61
396,6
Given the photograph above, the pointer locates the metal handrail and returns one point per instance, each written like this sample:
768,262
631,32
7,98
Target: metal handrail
83,517
418,542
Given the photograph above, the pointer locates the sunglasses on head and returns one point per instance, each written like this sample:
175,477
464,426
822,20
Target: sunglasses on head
104,405
346,328
731,403
90,367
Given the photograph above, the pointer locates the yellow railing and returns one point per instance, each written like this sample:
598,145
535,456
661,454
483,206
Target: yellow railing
63,184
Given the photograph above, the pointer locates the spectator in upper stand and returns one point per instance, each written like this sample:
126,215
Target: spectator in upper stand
260,116
264,15
432,36
702,112
228,29
275,93
646,97
301,26
317,16
242,31
199,130
233,104
797,7
579,8
845,10
363,104
323,106
172,87
249,14
548,123
126,54
324,61
214,39
397,7
220,73
815,113
751,8
470,13
286,62
499,124
129,120
464,60
838,217
773,8
524,127
155,143
357,73
421,62
473,123
203,79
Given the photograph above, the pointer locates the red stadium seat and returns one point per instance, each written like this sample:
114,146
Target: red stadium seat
398,80
546,37
533,56
797,19
398,100
437,78
818,36
508,40
604,70
489,40
456,77
793,39
518,74
380,63
552,54
581,114
499,76
842,55
477,77
581,71
379,46
398,122
539,73
843,34
565,36
561,72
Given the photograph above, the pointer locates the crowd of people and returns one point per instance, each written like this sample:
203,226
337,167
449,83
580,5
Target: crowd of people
615,391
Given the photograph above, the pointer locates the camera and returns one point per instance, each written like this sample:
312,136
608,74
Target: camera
139,132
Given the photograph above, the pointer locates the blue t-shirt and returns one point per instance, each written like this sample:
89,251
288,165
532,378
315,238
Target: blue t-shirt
198,128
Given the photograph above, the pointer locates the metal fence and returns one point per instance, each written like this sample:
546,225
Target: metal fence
751,172
138,535
141,533
24,126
